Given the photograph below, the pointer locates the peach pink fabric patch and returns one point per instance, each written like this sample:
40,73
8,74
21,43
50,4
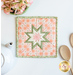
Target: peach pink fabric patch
36,37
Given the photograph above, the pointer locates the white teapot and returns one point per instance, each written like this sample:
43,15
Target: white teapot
7,59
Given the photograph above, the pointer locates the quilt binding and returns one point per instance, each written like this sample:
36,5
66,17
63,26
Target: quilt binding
17,37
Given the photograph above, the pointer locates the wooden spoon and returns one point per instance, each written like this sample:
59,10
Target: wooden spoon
65,54
71,39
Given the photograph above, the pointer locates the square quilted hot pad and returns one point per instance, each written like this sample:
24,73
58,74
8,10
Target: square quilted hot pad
36,37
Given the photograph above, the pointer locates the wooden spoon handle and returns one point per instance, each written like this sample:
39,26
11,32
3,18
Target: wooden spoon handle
71,40
71,71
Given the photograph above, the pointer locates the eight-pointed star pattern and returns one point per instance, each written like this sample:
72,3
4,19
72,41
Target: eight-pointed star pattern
36,37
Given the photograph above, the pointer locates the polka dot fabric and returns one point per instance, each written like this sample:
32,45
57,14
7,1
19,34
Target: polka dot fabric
44,30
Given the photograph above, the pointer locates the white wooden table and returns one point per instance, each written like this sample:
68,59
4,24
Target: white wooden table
40,66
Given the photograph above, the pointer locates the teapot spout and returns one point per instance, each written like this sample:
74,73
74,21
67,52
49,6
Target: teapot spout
9,45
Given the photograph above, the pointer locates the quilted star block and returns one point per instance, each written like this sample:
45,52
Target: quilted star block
36,37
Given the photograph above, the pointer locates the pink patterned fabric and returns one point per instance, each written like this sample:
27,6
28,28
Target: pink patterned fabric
36,37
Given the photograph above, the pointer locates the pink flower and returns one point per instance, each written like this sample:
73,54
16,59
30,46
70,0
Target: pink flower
11,10
7,4
13,6
18,11
3,6
7,1
16,5
21,4
16,0
23,7
29,2
2,0
7,11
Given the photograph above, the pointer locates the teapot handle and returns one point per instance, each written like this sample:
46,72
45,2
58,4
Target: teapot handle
3,60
